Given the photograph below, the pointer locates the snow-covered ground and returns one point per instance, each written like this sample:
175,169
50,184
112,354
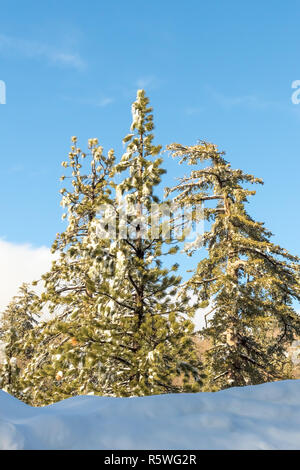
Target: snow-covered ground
259,417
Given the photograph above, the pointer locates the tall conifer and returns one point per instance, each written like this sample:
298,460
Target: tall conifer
249,282
62,366
120,328
150,343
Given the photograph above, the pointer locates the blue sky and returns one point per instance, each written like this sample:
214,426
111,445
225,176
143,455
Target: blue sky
218,71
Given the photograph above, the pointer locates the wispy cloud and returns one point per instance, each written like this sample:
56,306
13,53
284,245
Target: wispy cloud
248,101
103,102
192,110
38,50
98,102
68,60
16,168
148,82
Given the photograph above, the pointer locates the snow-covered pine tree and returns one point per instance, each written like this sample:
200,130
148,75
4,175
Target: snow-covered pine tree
20,316
61,366
148,331
248,282
118,329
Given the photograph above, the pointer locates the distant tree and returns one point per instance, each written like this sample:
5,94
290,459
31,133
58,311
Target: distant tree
248,282
17,320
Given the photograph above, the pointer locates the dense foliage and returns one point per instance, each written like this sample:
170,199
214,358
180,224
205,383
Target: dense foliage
113,319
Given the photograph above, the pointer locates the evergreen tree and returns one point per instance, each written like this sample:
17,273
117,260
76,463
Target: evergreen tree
249,282
148,326
118,328
60,366
18,318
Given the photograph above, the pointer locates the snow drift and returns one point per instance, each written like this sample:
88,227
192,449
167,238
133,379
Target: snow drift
258,417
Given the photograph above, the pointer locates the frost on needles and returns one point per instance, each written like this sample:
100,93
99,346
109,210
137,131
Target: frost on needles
120,322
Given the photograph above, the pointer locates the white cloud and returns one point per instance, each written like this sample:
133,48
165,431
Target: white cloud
101,102
20,263
68,60
104,102
192,110
148,82
202,315
34,49
247,101
199,319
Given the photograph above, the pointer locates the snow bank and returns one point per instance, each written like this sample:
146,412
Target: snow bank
259,417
